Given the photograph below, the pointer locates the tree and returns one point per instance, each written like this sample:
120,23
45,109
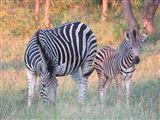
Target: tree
105,10
37,3
149,10
47,18
128,15
26,16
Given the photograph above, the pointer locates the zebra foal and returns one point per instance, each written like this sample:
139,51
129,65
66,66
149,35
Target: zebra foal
118,64
66,49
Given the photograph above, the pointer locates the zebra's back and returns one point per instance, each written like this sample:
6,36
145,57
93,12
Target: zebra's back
67,46
104,60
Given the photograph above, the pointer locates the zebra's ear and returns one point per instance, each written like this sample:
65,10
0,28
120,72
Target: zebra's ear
144,37
127,36
134,33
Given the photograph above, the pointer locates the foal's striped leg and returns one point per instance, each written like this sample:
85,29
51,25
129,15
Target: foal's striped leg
118,80
101,89
128,87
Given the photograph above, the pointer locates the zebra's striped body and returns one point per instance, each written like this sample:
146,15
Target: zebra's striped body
117,64
67,49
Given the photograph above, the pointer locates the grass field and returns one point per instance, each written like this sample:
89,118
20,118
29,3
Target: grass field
145,104
145,100
16,32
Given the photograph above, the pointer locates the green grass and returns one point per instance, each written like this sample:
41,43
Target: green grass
145,104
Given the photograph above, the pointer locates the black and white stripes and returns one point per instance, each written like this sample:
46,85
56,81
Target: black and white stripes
118,64
66,49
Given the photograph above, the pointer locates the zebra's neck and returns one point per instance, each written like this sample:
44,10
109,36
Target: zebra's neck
124,45
126,58
126,53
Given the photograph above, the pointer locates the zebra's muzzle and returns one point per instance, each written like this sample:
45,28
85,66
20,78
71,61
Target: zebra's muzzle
136,60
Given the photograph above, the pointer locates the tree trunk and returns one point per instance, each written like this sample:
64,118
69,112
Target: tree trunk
105,10
37,13
47,19
128,15
149,11
26,6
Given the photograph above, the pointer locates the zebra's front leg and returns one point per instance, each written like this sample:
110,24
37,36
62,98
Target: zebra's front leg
81,84
82,89
127,87
31,76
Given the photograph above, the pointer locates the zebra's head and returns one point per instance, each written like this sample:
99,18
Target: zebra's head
134,44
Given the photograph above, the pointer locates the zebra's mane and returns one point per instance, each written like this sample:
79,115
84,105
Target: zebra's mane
124,45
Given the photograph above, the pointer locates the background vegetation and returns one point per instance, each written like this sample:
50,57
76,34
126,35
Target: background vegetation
17,27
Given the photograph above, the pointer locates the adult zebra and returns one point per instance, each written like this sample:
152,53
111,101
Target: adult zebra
118,64
66,49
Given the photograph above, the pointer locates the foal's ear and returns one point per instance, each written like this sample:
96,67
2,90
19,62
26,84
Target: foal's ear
127,36
134,33
144,37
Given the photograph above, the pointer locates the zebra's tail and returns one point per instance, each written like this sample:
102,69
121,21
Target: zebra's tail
46,66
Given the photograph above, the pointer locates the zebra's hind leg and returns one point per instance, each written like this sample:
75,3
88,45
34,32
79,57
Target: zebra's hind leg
101,90
81,84
118,80
52,91
31,76
104,83
106,87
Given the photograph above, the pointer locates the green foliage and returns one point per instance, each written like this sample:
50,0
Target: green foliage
20,22
15,32
96,2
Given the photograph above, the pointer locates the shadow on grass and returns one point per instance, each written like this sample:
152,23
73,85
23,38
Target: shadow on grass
17,65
